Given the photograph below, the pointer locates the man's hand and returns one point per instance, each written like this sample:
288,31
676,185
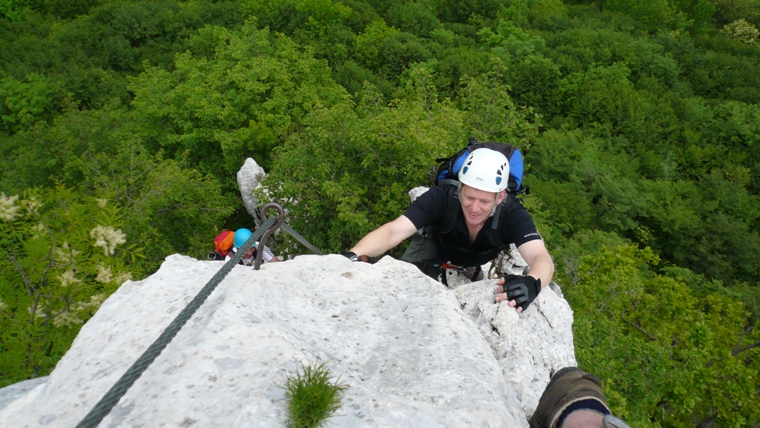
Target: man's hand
519,290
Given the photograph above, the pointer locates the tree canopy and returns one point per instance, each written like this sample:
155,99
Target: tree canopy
123,124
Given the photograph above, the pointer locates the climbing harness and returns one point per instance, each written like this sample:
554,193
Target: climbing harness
473,273
117,391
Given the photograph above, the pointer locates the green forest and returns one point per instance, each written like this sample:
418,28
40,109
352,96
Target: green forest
123,125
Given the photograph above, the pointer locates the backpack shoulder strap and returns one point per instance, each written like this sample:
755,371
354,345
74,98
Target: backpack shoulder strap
501,211
500,216
452,213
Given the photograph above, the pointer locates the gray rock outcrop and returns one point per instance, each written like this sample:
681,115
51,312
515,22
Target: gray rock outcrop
412,352
249,177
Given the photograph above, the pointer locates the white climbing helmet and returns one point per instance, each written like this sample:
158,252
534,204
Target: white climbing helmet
485,169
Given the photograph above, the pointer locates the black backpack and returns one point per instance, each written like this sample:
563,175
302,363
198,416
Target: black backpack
448,168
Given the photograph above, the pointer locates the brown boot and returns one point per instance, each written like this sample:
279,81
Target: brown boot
568,386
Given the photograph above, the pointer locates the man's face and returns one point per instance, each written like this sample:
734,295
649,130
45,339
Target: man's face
477,204
248,254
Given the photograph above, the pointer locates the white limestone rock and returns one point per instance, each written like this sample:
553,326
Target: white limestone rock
249,177
411,353
528,346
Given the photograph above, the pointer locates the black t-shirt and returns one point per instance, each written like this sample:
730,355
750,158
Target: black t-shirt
430,209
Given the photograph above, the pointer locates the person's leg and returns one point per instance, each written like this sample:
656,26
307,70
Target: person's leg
423,253
572,398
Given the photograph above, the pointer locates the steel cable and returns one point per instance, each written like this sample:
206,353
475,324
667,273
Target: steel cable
117,391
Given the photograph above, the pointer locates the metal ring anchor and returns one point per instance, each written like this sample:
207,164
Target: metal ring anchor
270,230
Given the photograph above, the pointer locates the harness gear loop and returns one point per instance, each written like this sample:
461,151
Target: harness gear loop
269,230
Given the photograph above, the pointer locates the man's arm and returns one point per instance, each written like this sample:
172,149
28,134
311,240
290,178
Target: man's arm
385,237
538,259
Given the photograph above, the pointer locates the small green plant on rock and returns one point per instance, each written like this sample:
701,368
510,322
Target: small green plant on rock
312,397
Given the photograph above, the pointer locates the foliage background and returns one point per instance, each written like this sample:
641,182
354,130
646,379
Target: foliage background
639,121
